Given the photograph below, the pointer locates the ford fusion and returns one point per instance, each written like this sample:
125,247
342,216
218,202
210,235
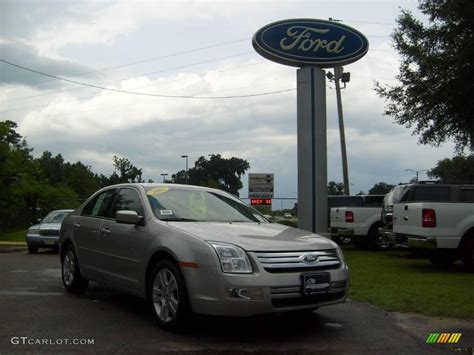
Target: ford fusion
193,249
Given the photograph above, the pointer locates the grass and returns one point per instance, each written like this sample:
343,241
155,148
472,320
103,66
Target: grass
396,281
13,236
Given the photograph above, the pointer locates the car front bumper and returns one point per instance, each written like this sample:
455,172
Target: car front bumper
213,292
42,241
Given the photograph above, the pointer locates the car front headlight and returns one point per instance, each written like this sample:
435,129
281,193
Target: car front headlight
340,255
234,260
33,230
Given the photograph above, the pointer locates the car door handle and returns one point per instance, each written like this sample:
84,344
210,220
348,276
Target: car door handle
405,218
105,231
77,225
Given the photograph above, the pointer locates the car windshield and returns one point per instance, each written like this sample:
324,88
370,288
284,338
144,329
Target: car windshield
188,205
55,217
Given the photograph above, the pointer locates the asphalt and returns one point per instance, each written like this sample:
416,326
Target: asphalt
34,305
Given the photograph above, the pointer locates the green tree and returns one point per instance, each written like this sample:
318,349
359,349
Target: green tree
52,168
381,188
81,179
217,172
436,74
25,190
335,188
127,172
458,169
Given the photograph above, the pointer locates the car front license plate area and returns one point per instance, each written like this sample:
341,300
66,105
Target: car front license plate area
316,283
49,241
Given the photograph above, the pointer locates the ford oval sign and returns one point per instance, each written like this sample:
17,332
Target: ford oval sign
303,42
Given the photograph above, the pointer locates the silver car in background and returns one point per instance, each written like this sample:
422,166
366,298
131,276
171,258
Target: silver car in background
45,234
194,249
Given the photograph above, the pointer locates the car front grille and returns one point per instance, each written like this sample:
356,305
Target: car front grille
284,262
283,297
49,232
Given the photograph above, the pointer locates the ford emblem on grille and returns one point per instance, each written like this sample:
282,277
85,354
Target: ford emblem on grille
310,259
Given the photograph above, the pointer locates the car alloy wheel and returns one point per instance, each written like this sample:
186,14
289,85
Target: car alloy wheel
165,295
69,265
71,274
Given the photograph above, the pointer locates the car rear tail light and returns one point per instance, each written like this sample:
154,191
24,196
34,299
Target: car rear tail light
428,218
349,217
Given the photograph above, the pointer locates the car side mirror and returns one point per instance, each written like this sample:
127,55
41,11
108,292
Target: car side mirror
128,217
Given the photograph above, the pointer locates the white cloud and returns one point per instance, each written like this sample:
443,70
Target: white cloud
154,132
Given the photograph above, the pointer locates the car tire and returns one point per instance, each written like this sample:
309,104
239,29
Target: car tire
375,240
467,255
32,249
70,272
167,296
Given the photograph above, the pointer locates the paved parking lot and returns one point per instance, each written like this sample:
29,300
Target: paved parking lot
35,309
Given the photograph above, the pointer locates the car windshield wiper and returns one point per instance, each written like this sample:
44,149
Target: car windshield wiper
179,219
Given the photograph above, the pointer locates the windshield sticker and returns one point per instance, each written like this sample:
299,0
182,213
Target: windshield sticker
166,212
157,191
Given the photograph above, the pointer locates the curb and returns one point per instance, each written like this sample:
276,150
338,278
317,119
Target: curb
18,244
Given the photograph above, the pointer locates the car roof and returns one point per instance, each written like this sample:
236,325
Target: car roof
147,185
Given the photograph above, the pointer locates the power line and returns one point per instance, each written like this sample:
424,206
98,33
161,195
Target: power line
127,78
138,62
370,23
136,76
140,87
140,93
115,106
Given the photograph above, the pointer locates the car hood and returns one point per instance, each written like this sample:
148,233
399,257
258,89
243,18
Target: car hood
255,236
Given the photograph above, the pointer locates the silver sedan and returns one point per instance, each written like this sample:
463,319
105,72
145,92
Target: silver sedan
194,249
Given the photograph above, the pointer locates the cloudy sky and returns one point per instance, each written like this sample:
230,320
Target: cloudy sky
194,48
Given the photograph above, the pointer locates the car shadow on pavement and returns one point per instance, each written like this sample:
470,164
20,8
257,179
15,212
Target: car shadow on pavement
219,328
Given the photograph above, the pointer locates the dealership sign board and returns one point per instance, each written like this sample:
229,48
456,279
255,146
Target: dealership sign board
310,42
261,186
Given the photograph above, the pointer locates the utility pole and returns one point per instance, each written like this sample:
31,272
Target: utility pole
186,157
338,75
416,172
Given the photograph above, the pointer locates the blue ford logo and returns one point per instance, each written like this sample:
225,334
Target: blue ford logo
301,42
310,259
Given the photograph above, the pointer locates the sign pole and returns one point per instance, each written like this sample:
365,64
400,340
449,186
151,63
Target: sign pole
312,149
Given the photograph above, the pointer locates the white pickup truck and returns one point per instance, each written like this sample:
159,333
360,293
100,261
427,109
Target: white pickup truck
359,223
441,226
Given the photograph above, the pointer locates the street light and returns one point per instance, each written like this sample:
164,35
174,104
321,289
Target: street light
164,176
416,172
185,156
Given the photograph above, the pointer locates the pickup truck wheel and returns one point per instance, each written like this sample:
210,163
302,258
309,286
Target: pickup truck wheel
375,240
467,255
342,240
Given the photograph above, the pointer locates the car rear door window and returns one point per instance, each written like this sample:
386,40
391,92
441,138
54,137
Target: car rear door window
100,205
